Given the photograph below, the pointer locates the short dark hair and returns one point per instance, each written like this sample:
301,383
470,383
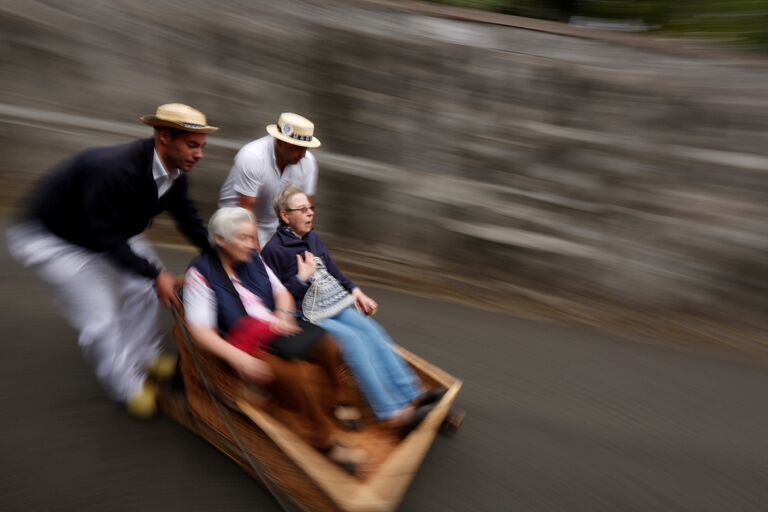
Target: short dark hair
173,132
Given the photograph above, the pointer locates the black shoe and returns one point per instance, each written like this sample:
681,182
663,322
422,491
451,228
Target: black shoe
415,420
430,397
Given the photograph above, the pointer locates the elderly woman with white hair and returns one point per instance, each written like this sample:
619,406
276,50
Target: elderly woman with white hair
327,297
238,310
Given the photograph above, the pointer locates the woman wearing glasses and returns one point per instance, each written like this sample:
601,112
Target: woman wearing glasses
326,297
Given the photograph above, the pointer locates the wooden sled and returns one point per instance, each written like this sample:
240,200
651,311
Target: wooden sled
218,406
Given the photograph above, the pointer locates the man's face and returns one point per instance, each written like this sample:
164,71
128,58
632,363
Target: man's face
181,150
288,153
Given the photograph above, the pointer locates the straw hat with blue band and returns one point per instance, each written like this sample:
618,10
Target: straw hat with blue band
181,117
294,129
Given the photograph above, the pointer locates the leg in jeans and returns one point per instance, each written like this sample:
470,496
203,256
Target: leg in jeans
362,362
293,389
397,375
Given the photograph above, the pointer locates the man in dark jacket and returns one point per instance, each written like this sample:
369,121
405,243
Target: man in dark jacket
82,234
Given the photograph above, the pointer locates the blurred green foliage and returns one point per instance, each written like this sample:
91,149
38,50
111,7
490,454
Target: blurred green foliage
738,23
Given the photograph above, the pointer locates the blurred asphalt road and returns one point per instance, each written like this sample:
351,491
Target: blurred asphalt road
560,419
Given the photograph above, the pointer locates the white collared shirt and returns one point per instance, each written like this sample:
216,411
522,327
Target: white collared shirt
255,174
163,179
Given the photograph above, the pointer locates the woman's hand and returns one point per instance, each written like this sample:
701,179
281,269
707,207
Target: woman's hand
366,304
284,325
252,369
305,265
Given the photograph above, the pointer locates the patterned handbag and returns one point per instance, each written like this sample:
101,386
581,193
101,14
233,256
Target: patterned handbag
325,297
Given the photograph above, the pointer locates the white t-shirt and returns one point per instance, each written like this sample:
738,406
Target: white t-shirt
200,299
255,174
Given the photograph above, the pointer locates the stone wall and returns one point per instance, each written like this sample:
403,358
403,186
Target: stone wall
486,162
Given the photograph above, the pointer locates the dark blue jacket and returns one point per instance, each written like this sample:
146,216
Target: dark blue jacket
253,276
280,254
100,198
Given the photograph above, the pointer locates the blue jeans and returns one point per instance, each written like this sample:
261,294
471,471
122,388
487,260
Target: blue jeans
385,379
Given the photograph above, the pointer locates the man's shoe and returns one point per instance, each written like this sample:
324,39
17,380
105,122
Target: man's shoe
163,368
144,403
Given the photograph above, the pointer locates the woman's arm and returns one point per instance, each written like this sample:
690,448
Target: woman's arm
285,308
285,314
200,312
284,303
364,302
249,367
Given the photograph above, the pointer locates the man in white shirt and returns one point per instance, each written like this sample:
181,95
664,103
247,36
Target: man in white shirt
264,167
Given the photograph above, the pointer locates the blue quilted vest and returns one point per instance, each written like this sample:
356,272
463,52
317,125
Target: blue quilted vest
252,275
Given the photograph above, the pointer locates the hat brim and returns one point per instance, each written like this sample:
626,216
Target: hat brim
273,131
155,121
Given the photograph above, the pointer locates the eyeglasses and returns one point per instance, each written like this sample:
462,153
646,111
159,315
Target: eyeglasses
303,209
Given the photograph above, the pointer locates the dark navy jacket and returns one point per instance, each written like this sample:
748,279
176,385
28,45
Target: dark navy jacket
280,254
253,276
100,198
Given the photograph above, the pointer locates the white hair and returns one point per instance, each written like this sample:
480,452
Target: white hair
224,222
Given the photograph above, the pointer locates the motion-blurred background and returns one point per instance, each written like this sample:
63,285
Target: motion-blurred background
543,167
618,184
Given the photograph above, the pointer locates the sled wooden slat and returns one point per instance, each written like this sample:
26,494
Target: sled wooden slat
213,405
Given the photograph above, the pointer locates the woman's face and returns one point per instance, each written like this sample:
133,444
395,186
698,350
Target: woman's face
241,244
300,214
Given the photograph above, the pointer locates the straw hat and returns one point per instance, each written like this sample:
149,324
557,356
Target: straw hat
181,117
294,129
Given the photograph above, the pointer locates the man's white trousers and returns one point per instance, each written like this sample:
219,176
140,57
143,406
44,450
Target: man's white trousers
114,308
